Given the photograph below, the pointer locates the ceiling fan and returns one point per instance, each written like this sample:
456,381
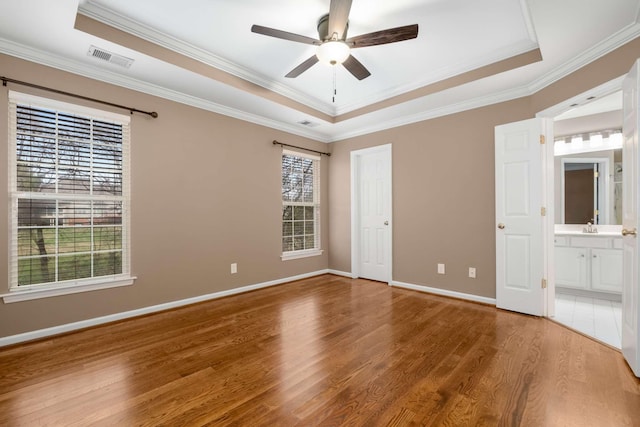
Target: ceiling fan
333,46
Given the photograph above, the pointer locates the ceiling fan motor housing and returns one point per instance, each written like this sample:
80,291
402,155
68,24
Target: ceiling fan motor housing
323,29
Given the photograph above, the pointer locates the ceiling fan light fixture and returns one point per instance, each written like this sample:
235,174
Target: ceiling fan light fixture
333,52
333,46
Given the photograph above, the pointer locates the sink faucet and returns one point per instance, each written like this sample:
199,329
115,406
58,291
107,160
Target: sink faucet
590,228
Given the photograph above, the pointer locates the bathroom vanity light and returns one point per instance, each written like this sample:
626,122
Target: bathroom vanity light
583,143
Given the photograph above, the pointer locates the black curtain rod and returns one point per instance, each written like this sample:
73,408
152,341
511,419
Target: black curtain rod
86,98
300,148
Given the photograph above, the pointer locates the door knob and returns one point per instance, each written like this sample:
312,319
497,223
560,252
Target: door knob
386,223
626,232
501,226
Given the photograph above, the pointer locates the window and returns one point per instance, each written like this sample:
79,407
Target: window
300,205
69,195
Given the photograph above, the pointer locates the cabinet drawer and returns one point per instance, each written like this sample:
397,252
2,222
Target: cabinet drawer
617,243
591,242
561,240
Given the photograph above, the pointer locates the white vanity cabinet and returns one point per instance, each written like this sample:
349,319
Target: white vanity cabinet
588,262
571,267
606,270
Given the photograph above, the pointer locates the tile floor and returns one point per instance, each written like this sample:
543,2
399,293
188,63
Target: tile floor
596,317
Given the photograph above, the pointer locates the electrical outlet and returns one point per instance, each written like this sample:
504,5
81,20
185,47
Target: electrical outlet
234,268
472,272
440,268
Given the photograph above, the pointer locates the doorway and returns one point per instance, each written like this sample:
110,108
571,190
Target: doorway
371,211
587,242
608,269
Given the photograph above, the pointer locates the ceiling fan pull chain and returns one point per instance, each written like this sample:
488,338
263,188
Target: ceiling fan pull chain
335,91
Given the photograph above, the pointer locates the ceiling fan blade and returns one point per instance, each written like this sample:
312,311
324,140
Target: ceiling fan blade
356,68
272,32
338,17
391,35
302,67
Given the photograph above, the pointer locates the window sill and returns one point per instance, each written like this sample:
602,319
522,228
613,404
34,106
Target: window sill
301,254
46,291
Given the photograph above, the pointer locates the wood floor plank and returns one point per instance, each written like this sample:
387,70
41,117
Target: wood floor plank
321,351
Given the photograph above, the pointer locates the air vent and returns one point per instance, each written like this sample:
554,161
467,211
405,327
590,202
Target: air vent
308,123
110,57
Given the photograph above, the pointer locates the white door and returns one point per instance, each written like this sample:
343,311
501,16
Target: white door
520,224
371,213
630,212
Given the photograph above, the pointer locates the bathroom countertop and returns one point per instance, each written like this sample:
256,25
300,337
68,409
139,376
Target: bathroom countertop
576,230
581,233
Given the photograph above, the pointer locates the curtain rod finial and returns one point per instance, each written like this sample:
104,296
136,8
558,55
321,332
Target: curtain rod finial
154,114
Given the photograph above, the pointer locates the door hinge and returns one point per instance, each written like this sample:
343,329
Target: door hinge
543,211
544,283
543,140
596,174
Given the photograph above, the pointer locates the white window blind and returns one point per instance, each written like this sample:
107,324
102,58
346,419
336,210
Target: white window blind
300,204
69,193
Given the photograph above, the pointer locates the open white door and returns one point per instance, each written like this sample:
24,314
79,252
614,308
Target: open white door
520,220
630,221
371,213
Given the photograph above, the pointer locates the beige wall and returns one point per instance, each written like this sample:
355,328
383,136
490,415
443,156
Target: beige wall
205,193
443,184
443,197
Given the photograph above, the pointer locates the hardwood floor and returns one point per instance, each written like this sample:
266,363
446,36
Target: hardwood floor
325,351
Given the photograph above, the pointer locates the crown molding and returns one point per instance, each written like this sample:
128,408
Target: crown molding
47,59
599,50
599,91
606,46
120,22
434,113
44,58
439,75
528,21
618,39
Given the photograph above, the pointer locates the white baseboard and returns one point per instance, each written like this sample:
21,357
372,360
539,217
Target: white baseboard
444,292
340,273
55,330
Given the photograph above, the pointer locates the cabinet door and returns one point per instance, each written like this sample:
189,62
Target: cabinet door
571,267
606,270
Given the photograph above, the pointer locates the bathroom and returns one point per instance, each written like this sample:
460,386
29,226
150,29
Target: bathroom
588,218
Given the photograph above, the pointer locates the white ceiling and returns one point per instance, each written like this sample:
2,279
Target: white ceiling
604,104
455,36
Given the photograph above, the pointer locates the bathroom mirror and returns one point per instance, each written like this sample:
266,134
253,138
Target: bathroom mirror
589,186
